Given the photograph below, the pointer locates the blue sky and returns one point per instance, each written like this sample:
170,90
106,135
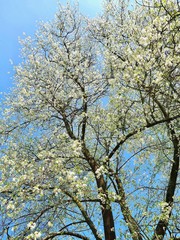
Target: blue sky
18,16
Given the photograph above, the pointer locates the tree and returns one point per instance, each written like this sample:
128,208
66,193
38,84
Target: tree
90,133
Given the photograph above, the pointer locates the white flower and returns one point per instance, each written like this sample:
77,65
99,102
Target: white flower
101,170
31,225
112,81
10,206
164,205
102,197
168,62
144,41
76,146
37,234
50,224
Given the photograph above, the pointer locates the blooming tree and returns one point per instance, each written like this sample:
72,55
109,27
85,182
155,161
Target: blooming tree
90,133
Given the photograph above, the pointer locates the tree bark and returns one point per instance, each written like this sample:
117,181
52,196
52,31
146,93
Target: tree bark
163,222
107,215
108,220
131,222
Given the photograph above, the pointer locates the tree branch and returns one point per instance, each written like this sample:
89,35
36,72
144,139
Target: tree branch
148,125
63,233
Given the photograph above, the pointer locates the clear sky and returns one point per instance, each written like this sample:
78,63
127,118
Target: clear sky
18,16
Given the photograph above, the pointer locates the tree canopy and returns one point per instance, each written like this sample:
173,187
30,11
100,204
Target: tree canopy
90,132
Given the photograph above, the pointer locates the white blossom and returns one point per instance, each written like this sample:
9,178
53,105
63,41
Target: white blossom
31,225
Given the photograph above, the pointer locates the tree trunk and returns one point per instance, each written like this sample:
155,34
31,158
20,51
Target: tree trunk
108,222
107,215
163,222
131,222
